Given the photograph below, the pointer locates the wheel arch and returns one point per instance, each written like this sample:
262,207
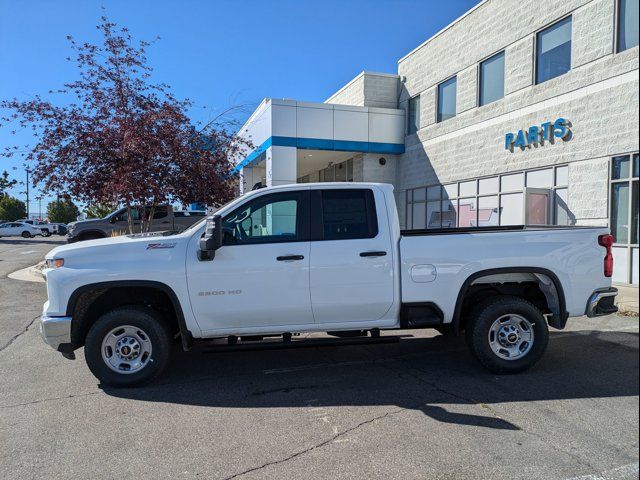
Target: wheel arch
101,287
552,291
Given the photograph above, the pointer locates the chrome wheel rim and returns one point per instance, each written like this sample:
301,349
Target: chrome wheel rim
511,337
126,349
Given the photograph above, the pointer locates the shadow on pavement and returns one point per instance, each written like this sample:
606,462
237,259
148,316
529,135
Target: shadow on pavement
417,373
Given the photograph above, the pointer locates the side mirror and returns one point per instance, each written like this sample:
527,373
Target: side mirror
212,238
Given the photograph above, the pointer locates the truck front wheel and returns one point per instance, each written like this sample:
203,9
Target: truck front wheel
507,334
128,346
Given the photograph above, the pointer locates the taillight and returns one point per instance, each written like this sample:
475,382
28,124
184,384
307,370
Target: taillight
606,241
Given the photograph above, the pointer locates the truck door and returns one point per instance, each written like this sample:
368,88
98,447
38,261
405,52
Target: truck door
352,277
260,275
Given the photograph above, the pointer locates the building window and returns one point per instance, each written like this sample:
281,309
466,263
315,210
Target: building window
624,217
447,99
627,24
553,51
534,197
413,119
492,79
339,172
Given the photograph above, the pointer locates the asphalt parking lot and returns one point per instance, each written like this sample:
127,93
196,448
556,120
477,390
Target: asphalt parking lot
420,408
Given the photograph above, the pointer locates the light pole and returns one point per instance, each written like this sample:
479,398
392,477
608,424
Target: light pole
28,171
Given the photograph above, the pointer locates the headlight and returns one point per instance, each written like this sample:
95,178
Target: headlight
55,262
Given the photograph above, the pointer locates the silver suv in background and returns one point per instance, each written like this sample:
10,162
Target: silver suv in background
117,223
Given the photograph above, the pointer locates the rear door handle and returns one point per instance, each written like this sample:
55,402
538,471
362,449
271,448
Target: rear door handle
373,254
289,258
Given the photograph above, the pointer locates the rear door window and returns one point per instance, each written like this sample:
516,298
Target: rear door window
348,214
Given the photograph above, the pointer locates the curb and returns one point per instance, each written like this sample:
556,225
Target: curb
29,274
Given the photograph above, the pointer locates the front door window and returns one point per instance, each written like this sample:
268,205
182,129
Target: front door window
268,219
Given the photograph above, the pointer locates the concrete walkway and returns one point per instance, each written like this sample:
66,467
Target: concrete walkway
627,299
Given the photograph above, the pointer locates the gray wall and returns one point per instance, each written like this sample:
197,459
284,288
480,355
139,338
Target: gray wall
369,90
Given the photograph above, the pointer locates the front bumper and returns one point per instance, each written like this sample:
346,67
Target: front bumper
56,332
71,238
602,302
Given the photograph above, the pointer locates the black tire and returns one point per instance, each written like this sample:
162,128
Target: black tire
151,323
45,233
479,326
26,234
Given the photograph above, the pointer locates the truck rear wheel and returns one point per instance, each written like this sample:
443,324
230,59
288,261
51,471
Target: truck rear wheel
128,346
507,334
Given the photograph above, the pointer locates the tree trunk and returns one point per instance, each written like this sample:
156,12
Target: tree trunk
129,219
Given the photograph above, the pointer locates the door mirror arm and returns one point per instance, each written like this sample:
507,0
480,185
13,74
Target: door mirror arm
211,240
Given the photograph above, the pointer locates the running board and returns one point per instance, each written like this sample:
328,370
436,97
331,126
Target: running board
306,343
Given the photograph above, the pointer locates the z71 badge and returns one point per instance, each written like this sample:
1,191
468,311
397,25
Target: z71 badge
154,246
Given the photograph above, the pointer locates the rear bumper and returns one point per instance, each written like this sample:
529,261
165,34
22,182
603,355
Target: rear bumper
602,302
56,332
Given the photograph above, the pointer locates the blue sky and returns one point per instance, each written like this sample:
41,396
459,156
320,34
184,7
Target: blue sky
219,53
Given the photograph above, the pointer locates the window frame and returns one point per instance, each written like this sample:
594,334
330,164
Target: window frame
630,180
417,123
452,77
500,193
302,223
536,40
616,29
502,52
317,221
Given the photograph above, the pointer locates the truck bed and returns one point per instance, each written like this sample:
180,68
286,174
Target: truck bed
441,265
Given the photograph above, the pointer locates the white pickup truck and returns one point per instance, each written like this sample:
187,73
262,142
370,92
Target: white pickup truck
324,257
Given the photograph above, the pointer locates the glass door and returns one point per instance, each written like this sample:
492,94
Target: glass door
537,206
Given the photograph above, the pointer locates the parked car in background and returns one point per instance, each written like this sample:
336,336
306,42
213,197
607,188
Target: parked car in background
20,229
46,227
116,223
59,228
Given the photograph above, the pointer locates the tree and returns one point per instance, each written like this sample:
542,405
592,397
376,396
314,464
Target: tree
100,210
11,208
5,183
123,139
62,211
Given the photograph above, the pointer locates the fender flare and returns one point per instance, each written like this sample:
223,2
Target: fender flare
553,321
185,335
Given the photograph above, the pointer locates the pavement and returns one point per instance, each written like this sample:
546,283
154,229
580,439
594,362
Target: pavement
420,408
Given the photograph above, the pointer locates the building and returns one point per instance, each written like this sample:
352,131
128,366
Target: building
489,122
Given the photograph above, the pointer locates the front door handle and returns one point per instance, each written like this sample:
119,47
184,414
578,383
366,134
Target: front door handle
373,254
289,258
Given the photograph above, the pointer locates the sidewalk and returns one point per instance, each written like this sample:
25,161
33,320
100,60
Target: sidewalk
627,299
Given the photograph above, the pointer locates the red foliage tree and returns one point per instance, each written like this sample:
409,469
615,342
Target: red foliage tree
122,138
